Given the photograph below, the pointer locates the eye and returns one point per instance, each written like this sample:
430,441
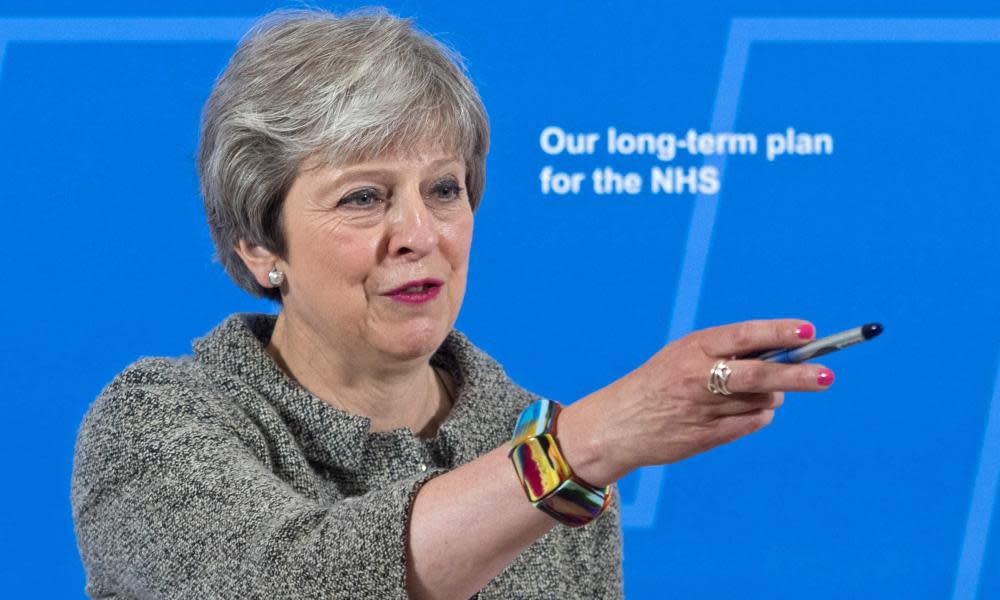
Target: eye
447,189
361,198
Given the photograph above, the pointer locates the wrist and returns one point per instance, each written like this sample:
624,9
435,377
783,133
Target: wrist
583,445
549,481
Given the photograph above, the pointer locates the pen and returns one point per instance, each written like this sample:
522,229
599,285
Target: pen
826,345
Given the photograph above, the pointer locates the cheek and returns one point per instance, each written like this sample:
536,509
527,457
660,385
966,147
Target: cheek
459,259
353,262
333,258
458,237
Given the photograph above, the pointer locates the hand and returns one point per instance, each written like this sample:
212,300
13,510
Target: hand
662,412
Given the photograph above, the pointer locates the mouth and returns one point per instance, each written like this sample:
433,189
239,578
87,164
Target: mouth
420,286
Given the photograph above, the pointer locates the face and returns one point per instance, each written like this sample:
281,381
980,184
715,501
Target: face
356,232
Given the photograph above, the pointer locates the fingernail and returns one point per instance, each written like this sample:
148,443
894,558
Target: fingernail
824,377
805,331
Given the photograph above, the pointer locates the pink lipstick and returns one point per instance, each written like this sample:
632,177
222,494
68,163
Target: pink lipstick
416,292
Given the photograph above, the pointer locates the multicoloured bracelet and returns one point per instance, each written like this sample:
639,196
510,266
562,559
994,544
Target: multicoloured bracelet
545,475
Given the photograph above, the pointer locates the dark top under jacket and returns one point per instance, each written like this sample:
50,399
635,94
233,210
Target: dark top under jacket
217,476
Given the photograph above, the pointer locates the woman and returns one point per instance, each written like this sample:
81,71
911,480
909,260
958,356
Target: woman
356,445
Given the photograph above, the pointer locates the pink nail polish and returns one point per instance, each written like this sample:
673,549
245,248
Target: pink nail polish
824,377
805,331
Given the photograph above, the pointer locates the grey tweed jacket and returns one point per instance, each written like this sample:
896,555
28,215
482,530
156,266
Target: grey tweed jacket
217,476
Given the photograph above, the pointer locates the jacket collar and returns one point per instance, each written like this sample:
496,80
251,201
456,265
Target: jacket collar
480,415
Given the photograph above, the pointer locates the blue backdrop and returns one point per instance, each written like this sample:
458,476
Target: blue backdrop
882,487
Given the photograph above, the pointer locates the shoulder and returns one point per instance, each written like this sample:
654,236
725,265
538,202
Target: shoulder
489,401
158,418
154,387
147,374
165,390
477,368
148,407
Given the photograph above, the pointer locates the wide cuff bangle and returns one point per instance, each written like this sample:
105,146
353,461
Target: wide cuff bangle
546,477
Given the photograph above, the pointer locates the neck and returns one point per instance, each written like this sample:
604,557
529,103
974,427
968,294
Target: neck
392,394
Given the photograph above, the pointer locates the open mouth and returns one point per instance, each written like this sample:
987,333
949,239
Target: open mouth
420,286
417,289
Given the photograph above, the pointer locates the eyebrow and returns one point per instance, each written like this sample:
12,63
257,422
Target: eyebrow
328,185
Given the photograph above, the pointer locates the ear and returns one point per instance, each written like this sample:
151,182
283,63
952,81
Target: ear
259,260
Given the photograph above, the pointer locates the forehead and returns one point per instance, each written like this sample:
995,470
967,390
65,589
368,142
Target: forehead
421,157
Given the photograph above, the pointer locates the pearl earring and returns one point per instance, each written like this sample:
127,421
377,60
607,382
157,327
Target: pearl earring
276,277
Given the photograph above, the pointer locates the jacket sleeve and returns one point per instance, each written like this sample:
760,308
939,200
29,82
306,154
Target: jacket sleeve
169,501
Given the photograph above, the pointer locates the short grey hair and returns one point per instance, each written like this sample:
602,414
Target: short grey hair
308,85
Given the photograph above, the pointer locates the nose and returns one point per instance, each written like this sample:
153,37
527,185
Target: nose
412,227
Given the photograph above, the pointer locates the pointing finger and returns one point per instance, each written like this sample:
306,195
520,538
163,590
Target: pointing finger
739,339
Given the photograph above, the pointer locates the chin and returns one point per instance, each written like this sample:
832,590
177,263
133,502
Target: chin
417,342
